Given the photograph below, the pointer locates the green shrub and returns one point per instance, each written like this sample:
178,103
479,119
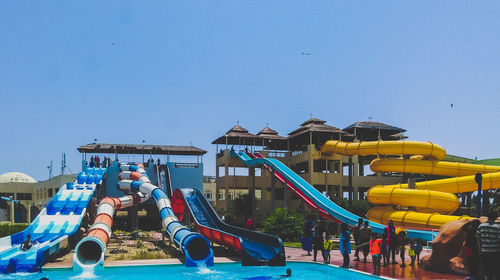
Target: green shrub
139,243
145,255
284,223
9,229
359,207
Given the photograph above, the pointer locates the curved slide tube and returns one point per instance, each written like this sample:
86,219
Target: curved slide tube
319,199
89,252
256,248
196,248
437,201
431,167
51,229
410,218
430,196
455,185
425,149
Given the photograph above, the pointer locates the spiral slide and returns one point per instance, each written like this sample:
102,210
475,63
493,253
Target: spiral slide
432,199
321,201
50,230
89,252
256,248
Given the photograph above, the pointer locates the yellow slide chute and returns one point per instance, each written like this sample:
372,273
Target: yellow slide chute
431,167
435,196
438,201
410,219
426,149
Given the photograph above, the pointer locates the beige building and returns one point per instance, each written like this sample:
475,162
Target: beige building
300,151
32,195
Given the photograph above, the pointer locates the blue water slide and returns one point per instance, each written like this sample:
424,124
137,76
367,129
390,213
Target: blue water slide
196,248
322,201
50,230
256,248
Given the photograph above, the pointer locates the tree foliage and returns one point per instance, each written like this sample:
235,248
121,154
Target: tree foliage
284,223
359,207
243,206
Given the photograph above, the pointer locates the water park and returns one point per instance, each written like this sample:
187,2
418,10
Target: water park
249,140
420,199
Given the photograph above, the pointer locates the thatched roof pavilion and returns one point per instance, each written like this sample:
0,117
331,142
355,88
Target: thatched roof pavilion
237,135
314,131
372,131
104,148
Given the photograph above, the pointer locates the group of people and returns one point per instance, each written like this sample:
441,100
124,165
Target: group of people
317,238
95,161
482,247
391,242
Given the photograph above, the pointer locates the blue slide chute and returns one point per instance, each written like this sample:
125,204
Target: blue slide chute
256,248
50,230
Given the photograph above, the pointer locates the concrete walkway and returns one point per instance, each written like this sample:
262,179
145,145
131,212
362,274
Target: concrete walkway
392,271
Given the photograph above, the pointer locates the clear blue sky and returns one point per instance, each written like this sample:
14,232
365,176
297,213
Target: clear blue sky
172,72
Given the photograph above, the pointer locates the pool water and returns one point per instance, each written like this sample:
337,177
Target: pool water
226,271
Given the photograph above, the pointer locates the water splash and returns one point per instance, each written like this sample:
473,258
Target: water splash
205,270
87,273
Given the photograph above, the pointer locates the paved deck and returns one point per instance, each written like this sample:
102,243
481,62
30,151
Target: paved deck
392,271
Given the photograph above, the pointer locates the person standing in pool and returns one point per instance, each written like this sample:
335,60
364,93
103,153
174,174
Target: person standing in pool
345,244
288,273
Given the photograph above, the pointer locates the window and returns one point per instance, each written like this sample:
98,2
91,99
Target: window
258,194
222,170
50,192
300,168
240,193
221,194
208,194
24,196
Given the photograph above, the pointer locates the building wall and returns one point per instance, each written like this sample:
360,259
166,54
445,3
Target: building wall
186,175
327,172
32,196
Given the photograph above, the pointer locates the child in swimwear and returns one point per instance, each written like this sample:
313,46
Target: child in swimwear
411,253
328,248
376,252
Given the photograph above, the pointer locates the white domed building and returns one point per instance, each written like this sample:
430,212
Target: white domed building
16,177
32,195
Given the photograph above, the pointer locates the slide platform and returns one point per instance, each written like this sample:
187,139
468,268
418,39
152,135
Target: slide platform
256,248
51,229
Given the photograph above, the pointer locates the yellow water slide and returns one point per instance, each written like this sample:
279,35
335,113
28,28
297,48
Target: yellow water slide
432,199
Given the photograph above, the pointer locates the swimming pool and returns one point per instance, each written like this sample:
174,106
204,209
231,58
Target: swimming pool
300,270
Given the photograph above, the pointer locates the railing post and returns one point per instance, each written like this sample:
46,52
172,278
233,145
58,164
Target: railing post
479,180
273,191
